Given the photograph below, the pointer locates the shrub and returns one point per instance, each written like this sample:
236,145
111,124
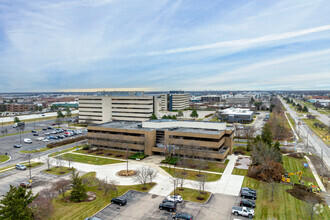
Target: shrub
86,147
64,142
267,171
137,156
239,150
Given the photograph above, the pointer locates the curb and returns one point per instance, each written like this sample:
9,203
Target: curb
6,160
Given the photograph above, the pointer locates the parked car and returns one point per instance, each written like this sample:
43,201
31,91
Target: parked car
53,124
20,167
25,185
17,146
176,198
166,200
35,134
249,190
39,138
44,129
27,141
247,203
243,211
62,136
119,201
51,137
49,128
47,133
33,131
248,195
183,215
59,136
169,206
92,218
45,140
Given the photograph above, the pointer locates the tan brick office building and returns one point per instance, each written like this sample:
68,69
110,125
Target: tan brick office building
208,140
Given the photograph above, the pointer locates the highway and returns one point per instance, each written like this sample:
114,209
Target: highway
33,116
315,144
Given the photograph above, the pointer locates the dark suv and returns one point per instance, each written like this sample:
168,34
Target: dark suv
169,206
166,200
247,203
119,201
248,195
183,215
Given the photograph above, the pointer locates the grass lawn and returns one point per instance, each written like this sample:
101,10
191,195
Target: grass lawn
209,165
89,159
68,211
284,205
324,111
191,175
65,150
321,133
290,119
191,194
33,164
4,158
293,165
241,172
58,171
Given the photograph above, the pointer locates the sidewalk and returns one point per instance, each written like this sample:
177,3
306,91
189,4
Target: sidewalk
319,182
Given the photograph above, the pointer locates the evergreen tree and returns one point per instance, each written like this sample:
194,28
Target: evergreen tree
153,117
60,114
68,112
78,193
266,135
164,117
16,120
15,204
180,114
194,113
305,109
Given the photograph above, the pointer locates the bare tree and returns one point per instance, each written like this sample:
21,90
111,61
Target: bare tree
152,174
273,186
311,206
42,208
114,186
142,175
69,160
105,186
200,184
89,180
182,180
62,186
175,182
48,161
48,193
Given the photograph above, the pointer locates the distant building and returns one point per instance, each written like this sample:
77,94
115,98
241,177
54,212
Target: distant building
239,101
211,98
101,109
66,104
19,107
207,140
233,115
175,100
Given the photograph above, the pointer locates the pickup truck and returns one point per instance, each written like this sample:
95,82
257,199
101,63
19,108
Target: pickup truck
243,211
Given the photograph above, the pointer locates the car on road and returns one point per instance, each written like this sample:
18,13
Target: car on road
119,201
248,195
243,211
33,131
17,146
247,203
176,198
252,191
92,218
53,124
49,128
20,167
44,129
183,215
25,185
169,206
27,141
35,134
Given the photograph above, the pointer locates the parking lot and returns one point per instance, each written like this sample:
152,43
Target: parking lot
145,206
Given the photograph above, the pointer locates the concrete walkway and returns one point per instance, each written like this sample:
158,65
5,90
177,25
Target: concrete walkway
228,184
317,178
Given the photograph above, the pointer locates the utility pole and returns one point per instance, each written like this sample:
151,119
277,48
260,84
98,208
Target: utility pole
307,144
322,163
127,160
30,166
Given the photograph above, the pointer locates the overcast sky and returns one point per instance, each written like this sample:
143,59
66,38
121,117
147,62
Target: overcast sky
48,45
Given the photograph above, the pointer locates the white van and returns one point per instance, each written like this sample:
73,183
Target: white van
27,141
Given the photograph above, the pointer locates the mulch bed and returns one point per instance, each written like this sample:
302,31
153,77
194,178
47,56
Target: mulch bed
125,173
301,192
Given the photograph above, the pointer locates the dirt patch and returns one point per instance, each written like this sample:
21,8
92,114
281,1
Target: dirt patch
302,193
127,173
200,198
297,155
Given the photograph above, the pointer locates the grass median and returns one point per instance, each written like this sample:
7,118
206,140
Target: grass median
58,170
192,195
242,172
67,211
65,150
320,132
191,175
284,206
89,159
4,158
33,164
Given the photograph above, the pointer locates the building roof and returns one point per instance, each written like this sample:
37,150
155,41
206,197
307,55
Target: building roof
236,111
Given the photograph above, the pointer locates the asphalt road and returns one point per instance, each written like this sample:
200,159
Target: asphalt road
315,144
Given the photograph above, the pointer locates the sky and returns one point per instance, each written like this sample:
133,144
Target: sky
54,45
